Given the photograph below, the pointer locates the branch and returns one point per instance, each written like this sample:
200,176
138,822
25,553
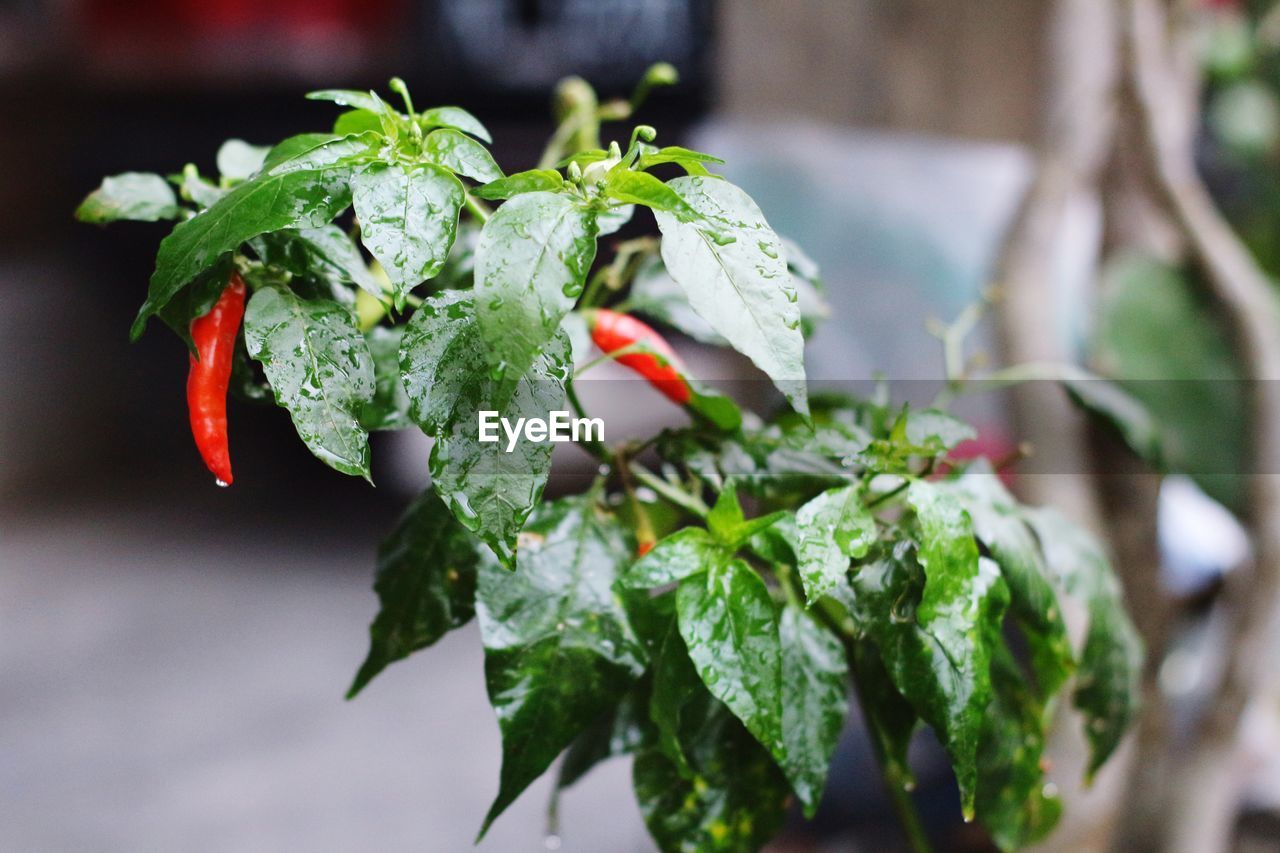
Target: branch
1167,107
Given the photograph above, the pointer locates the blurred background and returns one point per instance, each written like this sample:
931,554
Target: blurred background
173,656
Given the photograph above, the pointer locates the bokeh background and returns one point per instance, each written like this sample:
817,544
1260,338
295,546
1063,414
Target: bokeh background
173,656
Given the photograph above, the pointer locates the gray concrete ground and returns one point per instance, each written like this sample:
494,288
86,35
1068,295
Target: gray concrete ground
161,692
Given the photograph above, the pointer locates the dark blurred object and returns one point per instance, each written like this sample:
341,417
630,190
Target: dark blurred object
505,47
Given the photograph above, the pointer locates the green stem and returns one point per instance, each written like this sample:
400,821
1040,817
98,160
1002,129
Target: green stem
894,783
595,447
690,503
478,208
613,356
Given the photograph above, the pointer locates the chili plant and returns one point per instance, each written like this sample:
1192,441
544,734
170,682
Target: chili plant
715,597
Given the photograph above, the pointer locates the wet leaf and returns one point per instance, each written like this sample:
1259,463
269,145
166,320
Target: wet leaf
953,613
733,268
559,651
389,408
998,523
685,552
730,627
732,799
408,219
620,731
940,663
460,154
1013,802
137,196
319,366
239,161
443,360
456,118
1107,690
936,431
426,585
327,254
815,678
531,265
631,187
308,191
832,529
534,180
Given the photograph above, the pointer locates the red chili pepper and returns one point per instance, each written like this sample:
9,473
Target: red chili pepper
645,546
612,331
214,336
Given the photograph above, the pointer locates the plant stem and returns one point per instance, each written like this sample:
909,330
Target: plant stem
595,447
690,503
904,807
478,208
895,785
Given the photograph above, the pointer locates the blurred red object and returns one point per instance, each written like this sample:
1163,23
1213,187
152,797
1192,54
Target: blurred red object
991,444
229,38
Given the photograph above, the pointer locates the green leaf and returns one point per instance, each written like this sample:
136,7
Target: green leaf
443,360
531,265
325,253
320,369
1189,382
936,431
532,181
307,191
655,294
559,651
1108,677
953,616
461,154
199,190
686,552
815,677
998,523
1122,412
684,157
310,151
1012,802
456,118
731,265
733,800
348,98
610,220
196,300
939,661
357,121
730,627
833,528
294,146
426,585
620,731
715,408
239,161
642,188
408,219
807,279
389,408
459,269
727,524
137,196
678,695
